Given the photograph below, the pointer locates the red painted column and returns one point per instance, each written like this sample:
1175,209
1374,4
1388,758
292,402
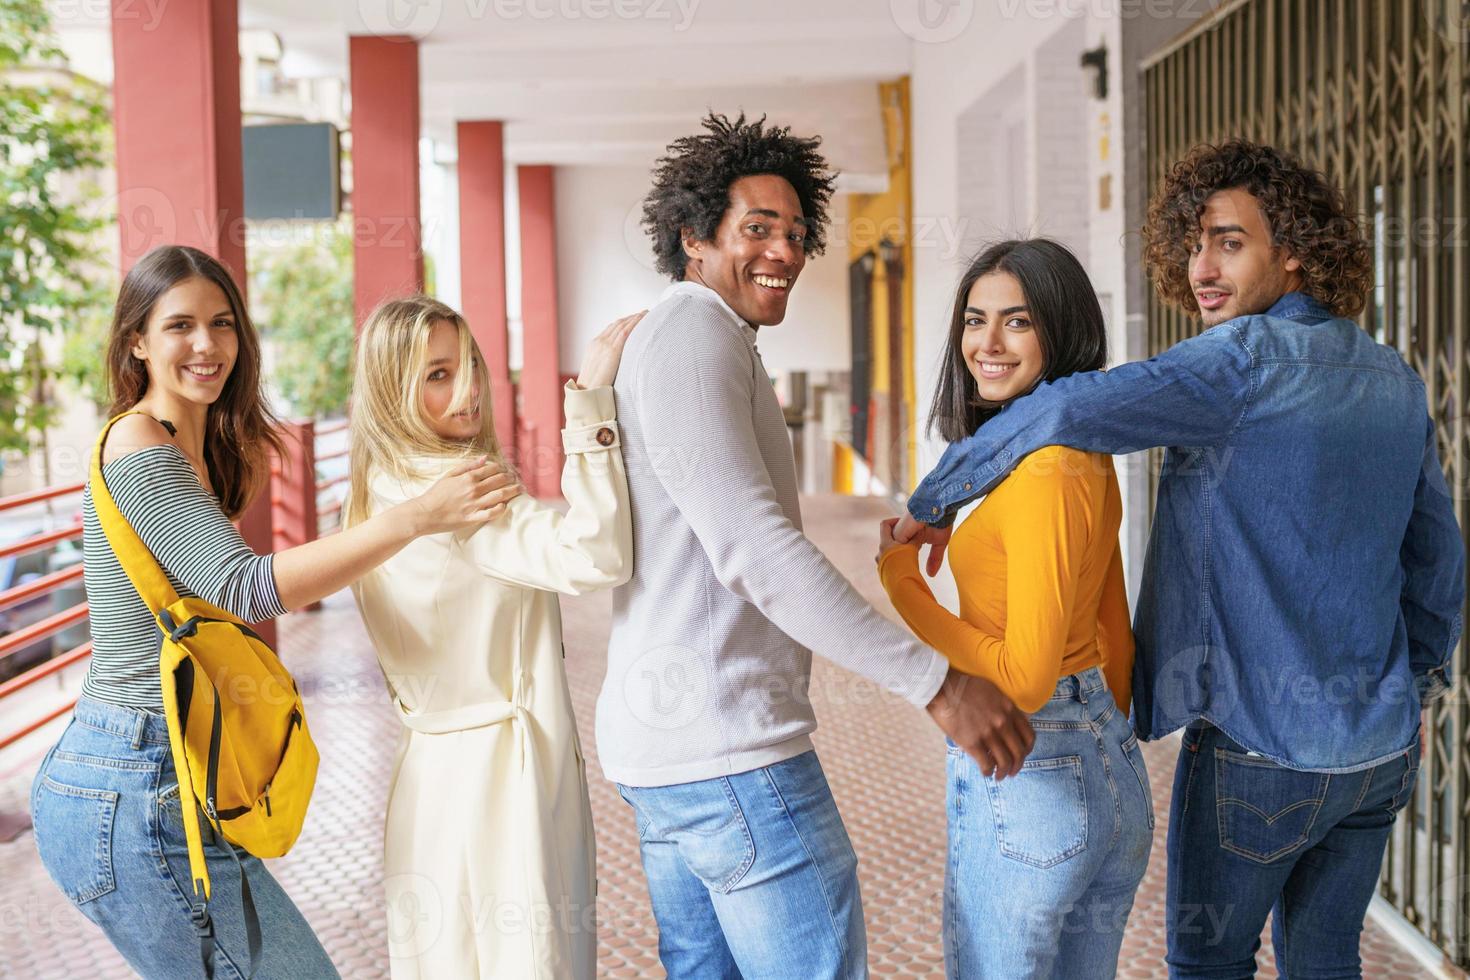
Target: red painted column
387,254
293,488
482,262
176,116
180,178
541,396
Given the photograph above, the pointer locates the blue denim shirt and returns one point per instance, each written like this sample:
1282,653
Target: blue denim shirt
1305,574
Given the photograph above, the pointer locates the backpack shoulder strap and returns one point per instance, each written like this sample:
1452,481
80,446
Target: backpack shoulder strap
142,568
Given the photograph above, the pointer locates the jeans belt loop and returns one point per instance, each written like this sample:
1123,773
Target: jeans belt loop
140,724
1081,688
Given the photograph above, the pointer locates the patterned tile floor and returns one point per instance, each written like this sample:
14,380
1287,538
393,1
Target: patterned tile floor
884,760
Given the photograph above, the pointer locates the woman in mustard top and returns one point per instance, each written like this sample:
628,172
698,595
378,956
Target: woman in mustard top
1042,866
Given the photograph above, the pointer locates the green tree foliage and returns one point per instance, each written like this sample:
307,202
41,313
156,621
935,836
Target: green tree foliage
301,299
53,136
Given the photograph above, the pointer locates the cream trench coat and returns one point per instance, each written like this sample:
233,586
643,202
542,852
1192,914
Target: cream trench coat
488,848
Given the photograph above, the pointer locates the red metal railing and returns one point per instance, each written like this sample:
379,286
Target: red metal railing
48,627
41,586
48,540
296,517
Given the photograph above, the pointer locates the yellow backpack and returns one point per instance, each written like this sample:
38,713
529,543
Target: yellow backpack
236,723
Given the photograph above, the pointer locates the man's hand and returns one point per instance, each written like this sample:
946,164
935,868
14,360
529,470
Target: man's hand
980,719
937,538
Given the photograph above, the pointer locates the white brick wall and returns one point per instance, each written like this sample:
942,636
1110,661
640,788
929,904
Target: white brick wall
1022,150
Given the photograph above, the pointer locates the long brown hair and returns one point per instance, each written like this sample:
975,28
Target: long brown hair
1063,306
240,431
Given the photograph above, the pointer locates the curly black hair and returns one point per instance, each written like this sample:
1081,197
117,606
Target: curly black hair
1305,212
691,185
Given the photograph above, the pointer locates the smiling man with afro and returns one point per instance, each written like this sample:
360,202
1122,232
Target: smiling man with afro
705,719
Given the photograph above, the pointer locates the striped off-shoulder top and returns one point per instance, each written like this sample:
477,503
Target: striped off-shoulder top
201,551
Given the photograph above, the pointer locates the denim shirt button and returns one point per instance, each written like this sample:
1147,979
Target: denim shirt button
936,510
967,486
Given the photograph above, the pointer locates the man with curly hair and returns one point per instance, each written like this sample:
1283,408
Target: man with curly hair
705,720
1305,575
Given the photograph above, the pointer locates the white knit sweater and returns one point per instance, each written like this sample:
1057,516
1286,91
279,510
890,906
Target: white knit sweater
709,662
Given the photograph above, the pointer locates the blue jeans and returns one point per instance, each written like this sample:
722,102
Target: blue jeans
1248,837
752,875
1043,866
105,806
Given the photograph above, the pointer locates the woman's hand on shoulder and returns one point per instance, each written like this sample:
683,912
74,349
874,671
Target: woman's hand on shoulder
472,493
133,433
600,365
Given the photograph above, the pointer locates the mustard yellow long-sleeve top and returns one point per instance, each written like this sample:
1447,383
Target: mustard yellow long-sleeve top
1040,578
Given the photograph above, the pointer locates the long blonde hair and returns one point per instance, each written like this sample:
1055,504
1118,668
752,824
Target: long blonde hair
389,432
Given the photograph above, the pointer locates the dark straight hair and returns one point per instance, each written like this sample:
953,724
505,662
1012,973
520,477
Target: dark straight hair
240,431
1064,312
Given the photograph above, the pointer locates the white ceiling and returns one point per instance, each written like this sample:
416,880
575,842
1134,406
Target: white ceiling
613,81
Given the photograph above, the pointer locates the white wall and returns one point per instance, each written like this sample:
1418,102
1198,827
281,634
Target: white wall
605,270
817,332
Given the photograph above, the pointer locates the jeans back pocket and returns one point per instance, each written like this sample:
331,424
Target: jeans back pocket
705,823
74,828
1041,812
1265,810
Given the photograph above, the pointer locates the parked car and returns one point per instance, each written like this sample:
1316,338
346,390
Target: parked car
18,571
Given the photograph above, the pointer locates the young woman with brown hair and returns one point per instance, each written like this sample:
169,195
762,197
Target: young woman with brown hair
105,804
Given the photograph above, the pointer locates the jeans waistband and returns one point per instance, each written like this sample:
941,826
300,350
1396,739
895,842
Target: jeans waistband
134,724
1081,686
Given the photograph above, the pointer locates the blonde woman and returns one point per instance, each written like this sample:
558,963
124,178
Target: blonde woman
489,855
